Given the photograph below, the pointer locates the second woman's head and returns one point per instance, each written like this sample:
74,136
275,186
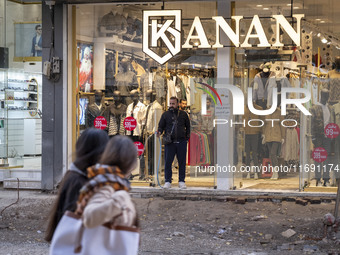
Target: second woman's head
120,151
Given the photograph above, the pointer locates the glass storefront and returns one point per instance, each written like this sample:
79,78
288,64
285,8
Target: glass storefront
118,78
20,92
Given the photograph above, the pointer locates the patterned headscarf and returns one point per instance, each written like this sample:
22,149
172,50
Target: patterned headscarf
101,175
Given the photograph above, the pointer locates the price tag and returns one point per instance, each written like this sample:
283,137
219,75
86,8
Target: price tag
100,122
319,154
332,130
130,123
140,148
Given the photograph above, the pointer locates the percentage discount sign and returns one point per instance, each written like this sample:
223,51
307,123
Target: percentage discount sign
140,148
130,123
319,154
332,130
100,122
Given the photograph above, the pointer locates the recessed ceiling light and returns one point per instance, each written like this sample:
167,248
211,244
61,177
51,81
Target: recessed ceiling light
259,5
324,40
322,21
266,9
296,7
319,34
317,19
289,4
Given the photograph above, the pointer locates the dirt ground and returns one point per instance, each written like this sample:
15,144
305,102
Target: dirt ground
184,227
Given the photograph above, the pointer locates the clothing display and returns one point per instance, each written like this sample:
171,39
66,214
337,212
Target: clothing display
125,82
153,115
137,111
114,23
334,85
199,149
290,148
117,114
93,111
261,83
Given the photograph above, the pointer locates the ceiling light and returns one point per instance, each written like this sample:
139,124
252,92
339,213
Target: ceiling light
317,19
319,34
196,43
266,9
289,4
296,7
322,21
259,5
324,40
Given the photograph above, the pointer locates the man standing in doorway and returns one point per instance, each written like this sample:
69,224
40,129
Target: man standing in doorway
183,105
176,123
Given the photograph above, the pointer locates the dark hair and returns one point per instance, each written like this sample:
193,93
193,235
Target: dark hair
182,99
120,151
89,147
37,26
174,98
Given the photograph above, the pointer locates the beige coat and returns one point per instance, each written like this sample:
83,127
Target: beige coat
249,116
277,132
106,204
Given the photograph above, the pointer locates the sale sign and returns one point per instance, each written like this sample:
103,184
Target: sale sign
130,123
140,148
100,122
319,154
332,130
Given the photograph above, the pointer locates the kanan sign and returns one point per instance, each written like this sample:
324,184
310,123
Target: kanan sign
166,25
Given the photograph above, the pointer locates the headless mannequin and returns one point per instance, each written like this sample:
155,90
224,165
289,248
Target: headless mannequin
95,109
260,86
146,80
138,138
126,81
321,116
117,114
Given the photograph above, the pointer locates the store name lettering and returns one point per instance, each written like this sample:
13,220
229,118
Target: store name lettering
172,26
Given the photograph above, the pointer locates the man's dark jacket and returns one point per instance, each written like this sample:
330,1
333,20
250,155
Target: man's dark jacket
181,131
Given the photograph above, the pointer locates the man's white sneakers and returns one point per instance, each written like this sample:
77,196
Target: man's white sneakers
167,185
182,185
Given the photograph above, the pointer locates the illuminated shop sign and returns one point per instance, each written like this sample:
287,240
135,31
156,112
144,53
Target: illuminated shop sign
165,25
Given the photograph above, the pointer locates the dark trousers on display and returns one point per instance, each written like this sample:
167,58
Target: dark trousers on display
251,146
274,151
180,150
324,167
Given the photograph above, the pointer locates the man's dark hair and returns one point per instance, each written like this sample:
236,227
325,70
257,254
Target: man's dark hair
37,26
174,98
182,99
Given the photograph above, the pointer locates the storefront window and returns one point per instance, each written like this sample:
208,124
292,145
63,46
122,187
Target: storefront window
20,93
124,91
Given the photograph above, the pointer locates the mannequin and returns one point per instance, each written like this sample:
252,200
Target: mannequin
137,110
146,79
252,136
153,114
95,109
321,116
274,136
117,114
113,23
334,82
139,70
126,81
262,81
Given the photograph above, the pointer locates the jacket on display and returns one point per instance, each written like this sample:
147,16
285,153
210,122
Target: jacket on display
154,114
93,111
318,123
335,115
117,114
275,132
260,90
138,112
284,83
291,148
181,130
